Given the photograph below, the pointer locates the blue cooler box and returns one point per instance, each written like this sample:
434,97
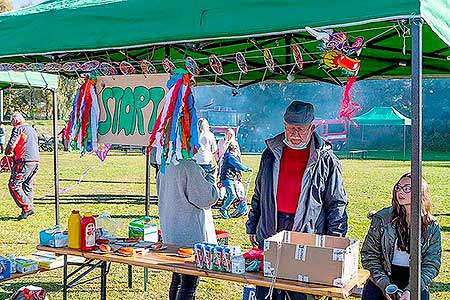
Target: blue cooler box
53,237
5,268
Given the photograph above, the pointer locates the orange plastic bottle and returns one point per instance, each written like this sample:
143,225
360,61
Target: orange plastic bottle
87,225
74,230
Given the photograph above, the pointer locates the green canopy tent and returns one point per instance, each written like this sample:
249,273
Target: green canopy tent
11,79
132,30
384,116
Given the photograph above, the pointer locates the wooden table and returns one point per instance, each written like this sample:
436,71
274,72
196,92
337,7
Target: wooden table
162,260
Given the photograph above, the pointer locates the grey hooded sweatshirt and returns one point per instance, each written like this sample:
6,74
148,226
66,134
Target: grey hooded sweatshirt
185,198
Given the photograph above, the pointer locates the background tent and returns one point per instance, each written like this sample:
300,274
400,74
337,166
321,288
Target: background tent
11,79
384,116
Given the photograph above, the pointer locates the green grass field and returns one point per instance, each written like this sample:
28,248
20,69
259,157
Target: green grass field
118,187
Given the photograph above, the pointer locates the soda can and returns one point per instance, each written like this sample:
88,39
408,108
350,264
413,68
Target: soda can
208,261
199,250
217,258
226,260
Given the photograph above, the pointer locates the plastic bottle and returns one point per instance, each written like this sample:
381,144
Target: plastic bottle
87,226
238,264
13,263
74,228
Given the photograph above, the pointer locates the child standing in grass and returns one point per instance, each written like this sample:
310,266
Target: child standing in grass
229,173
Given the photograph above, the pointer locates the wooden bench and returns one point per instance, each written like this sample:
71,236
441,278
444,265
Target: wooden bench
20,275
361,154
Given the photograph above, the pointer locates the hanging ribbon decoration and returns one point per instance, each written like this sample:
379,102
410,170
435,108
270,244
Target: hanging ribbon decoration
348,107
83,121
175,132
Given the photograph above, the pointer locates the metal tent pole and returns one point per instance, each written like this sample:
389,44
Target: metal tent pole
1,106
55,154
147,182
147,202
404,142
416,157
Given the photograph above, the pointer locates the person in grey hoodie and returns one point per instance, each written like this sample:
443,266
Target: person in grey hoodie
184,204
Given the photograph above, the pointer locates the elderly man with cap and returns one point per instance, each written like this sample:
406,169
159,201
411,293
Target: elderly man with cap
299,187
23,146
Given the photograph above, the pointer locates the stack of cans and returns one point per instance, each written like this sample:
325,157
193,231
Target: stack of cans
214,257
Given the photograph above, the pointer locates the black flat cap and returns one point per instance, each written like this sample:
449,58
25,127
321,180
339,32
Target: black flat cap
299,113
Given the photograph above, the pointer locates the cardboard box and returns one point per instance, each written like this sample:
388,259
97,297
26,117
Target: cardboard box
145,228
311,258
26,265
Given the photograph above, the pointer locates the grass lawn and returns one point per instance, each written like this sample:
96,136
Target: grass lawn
117,186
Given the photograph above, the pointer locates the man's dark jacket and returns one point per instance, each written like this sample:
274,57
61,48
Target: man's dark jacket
322,203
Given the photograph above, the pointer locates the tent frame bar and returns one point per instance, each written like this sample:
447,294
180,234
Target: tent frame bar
416,158
55,155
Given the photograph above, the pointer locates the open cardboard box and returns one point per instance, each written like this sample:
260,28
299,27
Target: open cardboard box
311,258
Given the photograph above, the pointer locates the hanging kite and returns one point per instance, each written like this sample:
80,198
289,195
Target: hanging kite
337,50
348,107
175,132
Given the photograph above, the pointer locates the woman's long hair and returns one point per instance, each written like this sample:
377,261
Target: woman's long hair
398,216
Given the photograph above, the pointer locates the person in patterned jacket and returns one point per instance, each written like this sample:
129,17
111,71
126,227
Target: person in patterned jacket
24,148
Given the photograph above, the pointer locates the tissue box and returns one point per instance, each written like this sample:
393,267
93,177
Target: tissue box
311,258
26,265
144,228
5,268
53,237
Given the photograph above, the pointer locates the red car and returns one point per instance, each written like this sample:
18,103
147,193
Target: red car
333,131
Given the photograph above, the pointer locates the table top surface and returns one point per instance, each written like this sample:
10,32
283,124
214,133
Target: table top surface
166,261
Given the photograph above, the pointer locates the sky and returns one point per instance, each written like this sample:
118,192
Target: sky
23,3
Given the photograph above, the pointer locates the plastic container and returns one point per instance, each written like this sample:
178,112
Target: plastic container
87,226
238,264
74,227
222,237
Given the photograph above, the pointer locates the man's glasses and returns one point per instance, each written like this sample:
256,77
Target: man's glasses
405,188
297,130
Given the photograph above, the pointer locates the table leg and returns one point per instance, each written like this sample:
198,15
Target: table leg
103,280
130,277
65,278
145,279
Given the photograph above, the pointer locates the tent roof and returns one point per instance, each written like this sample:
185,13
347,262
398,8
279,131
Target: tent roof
382,116
132,30
28,79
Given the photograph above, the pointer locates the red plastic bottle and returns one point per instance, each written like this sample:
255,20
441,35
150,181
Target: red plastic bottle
87,232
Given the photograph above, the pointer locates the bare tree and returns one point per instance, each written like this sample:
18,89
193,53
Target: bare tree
5,5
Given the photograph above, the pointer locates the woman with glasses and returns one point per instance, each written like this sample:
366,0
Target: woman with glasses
386,249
